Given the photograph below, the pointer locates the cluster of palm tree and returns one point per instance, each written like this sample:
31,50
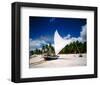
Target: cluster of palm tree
48,49
72,48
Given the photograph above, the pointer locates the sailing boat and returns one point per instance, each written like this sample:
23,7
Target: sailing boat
59,44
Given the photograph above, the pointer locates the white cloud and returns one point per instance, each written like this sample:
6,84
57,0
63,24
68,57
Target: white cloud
76,39
83,33
52,19
68,36
45,38
81,38
33,44
53,45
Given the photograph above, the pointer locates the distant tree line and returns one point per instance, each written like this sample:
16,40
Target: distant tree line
72,48
48,49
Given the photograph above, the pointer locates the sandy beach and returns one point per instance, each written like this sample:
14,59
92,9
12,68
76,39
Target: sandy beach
64,60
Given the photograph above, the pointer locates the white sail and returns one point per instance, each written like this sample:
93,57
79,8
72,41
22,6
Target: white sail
59,42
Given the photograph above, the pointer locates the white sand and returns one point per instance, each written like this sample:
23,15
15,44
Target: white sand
64,60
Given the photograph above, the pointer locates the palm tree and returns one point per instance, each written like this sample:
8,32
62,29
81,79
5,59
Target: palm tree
43,48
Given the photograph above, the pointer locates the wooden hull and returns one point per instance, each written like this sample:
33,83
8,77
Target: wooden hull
51,58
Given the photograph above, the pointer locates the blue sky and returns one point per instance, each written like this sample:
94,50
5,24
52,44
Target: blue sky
41,29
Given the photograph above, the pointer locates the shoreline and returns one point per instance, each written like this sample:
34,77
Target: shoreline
64,60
